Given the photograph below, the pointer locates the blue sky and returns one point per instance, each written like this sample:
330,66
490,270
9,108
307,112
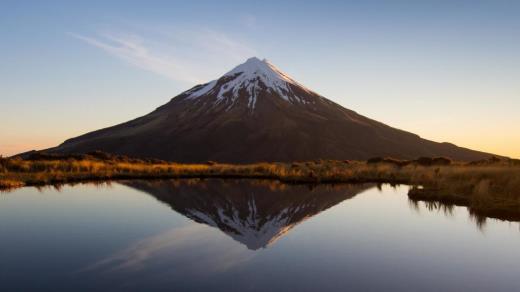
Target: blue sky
446,70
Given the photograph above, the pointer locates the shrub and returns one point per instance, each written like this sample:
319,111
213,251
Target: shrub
488,161
424,161
441,161
392,161
100,155
375,160
155,161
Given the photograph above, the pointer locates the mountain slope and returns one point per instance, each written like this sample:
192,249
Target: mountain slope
254,113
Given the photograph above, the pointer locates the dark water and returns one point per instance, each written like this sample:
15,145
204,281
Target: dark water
247,235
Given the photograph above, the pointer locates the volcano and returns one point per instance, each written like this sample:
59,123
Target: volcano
253,113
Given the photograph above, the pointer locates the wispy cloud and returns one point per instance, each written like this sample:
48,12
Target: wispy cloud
182,55
134,51
184,250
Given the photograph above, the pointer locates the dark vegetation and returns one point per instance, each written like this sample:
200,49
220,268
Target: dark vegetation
488,187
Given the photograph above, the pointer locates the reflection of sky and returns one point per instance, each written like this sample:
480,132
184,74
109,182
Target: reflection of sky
118,238
196,248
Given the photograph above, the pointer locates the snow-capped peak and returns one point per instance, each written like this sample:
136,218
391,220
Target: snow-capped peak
252,75
253,230
255,67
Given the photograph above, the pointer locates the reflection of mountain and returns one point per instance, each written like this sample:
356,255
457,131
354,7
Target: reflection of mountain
251,212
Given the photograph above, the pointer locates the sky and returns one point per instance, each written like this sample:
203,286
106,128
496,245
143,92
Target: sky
445,70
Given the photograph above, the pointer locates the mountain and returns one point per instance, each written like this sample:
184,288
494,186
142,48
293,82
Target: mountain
255,112
254,213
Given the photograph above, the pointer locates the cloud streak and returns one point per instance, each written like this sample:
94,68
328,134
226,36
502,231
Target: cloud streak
189,56
183,251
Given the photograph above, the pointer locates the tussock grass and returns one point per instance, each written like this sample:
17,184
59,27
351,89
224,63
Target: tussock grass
491,190
489,187
7,184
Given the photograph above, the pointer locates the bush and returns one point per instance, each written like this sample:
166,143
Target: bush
392,161
375,160
491,160
428,161
155,161
424,161
98,154
441,161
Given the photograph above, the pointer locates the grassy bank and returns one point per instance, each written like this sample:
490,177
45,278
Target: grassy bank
490,187
490,191
53,169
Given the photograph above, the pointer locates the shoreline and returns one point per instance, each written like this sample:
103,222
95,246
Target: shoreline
490,188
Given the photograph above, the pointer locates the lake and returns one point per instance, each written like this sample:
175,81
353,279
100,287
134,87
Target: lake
247,235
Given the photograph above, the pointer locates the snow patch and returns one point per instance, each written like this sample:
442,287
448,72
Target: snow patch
251,230
252,76
196,92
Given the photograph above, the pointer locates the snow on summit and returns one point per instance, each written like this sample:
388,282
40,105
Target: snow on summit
252,76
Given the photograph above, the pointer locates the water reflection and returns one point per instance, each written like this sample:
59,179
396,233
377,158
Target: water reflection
192,235
194,247
254,213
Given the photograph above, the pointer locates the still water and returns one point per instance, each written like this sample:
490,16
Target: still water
244,235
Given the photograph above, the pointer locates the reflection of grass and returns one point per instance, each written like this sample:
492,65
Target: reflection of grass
490,190
10,183
488,187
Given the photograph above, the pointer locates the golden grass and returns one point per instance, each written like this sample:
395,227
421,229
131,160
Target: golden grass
10,184
491,188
